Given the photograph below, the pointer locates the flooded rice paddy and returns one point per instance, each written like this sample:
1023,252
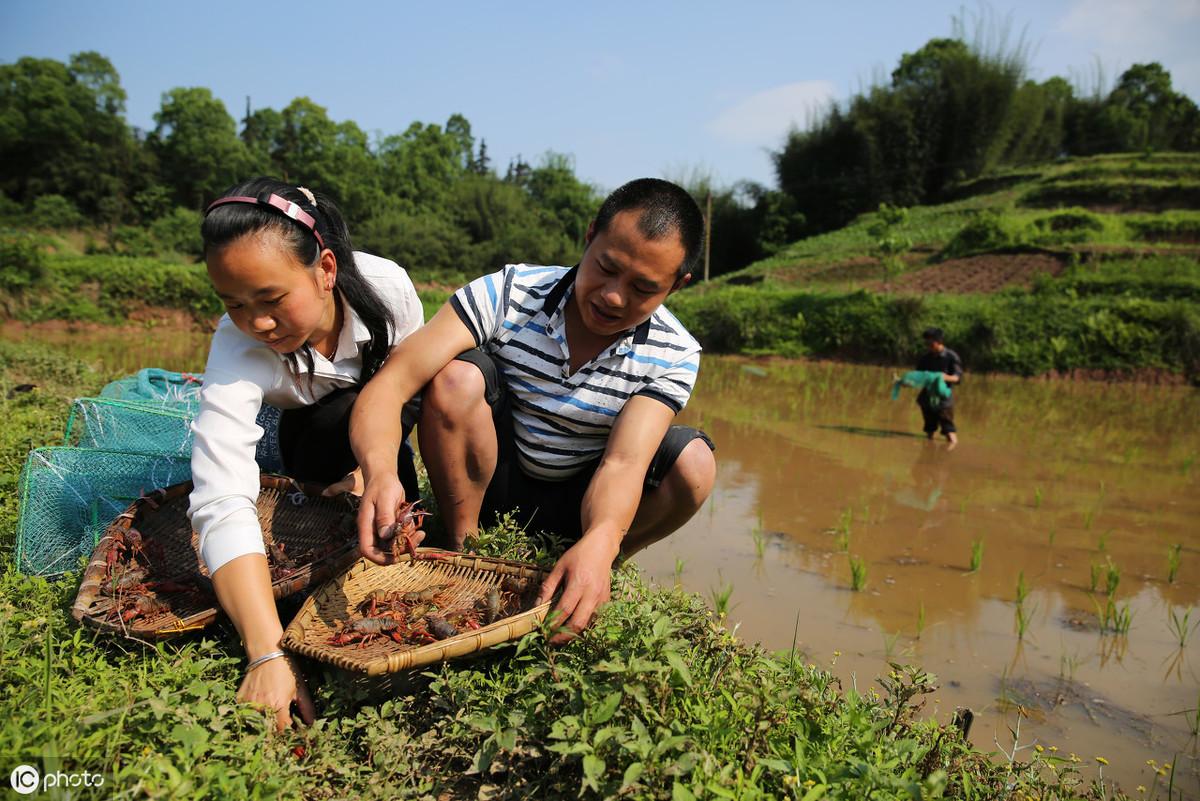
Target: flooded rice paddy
1051,482
1059,490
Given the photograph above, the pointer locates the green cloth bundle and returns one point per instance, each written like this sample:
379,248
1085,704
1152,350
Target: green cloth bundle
931,381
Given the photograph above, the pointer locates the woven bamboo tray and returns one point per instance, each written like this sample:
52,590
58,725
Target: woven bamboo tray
463,580
297,523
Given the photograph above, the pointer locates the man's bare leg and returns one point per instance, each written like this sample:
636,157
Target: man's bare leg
458,445
683,491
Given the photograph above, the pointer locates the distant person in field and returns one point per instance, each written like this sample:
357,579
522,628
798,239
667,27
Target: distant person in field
551,390
308,320
939,412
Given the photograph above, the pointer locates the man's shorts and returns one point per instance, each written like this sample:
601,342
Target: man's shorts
942,416
551,506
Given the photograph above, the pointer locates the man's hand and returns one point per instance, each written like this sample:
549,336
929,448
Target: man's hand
381,497
585,573
950,378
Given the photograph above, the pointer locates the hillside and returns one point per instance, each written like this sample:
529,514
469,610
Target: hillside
1089,264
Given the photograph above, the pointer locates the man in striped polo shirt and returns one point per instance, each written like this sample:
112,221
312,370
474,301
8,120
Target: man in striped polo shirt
551,391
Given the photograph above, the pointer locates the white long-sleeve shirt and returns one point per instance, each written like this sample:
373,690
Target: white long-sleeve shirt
242,374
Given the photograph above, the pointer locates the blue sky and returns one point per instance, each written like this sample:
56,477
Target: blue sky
626,88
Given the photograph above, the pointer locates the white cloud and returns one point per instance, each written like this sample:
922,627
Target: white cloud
764,117
1125,23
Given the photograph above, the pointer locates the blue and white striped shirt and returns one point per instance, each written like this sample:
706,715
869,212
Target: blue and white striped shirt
561,422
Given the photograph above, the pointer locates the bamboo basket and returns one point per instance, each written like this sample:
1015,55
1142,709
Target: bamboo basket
463,579
291,514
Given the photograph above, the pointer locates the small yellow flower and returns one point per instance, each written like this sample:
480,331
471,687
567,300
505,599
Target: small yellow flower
1102,760
809,782
837,653
1074,758
1151,762
1039,748
1141,788
1166,766
1053,748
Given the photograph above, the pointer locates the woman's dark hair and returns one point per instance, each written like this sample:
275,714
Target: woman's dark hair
230,222
665,209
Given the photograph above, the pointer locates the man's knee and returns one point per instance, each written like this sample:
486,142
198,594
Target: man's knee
692,476
457,390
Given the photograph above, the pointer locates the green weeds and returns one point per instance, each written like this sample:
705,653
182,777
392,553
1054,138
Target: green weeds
720,599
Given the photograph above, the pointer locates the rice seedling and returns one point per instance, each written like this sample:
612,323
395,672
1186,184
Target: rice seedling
1174,557
1037,497
1022,588
1088,517
760,543
920,619
1194,719
1102,545
976,555
889,644
679,563
1022,617
1050,537
842,540
1112,577
1067,666
1094,579
1186,467
1113,618
858,573
720,598
1181,626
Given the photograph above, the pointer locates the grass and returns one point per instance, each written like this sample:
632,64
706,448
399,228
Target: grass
1037,497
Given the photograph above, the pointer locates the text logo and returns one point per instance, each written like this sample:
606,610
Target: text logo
24,779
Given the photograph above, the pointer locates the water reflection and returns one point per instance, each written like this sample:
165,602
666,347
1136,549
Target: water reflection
816,464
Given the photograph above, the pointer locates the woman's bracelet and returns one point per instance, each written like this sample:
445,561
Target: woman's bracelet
264,658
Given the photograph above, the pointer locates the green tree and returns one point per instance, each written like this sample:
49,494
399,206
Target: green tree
197,146
571,203
62,132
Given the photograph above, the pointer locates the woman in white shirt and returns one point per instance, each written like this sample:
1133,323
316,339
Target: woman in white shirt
308,322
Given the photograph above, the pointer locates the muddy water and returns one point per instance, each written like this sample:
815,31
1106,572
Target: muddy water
1051,478
118,351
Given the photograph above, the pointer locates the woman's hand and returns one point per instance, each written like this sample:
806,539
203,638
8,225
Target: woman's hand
275,684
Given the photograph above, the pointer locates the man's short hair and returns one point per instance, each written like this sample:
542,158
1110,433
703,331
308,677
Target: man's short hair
933,335
665,208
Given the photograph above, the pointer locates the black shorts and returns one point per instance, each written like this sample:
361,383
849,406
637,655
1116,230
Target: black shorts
936,416
551,506
314,442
